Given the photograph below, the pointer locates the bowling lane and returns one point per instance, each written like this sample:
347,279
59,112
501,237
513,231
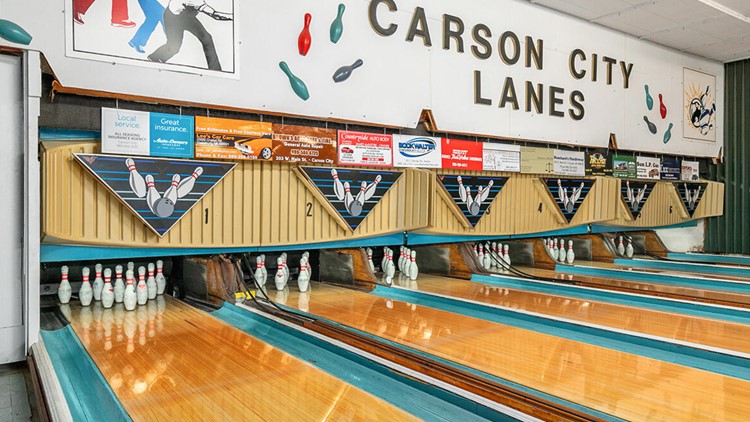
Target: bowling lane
716,270
624,264
169,361
708,332
617,383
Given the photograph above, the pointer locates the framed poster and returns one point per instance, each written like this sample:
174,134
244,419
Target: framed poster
699,111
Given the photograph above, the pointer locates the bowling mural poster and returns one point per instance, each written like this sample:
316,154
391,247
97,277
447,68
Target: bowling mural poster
473,195
624,166
159,191
535,160
501,157
153,34
365,149
417,151
690,170
598,163
670,169
569,194
143,133
462,155
352,192
648,167
569,163
635,194
691,195
229,139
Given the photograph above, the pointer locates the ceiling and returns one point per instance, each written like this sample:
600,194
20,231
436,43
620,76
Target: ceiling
690,26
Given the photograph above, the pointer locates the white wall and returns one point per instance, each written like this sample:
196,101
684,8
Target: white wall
688,239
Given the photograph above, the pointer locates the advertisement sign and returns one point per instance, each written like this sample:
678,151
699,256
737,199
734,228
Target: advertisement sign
536,160
690,170
501,157
365,149
417,151
462,155
143,133
648,167
230,139
569,163
624,166
599,163
670,169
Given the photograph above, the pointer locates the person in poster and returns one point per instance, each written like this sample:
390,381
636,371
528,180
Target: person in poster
154,12
119,12
181,16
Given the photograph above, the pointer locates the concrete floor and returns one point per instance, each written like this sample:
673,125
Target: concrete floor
17,401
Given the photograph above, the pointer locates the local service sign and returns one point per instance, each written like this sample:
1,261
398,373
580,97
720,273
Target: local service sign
690,170
417,151
501,157
598,163
462,155
624,166
143,133
648,167
569,163
365,149
670,169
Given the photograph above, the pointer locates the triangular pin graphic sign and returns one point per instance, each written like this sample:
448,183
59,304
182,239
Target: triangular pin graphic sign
635,194
352,192
691,195
568,194
472,194
160,191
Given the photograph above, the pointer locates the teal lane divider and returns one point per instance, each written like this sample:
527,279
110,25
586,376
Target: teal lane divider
422,400
619,298
689,267
516,386
710,258
658,278
655,349
54,134
432,239
87,392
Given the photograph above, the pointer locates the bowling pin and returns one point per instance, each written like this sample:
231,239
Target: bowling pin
151,282
461,189
406,263
495,256
391,267
137,183
186,185
629,249
338,187
481,255
303,281
98,283
385,259
668,133
486,191
337,26
413,269
662,107
285,267
119,288
263,266
561,253
361,195
555,251
649,99
129,296
369,260
372,187
399,264
259,272
64,291
620,247
348,198
12,32
308,268
141,291
344,72
487,260
161,281
131,266
85,293
506,256
298,86
171,192
279,279
476,254
304,41
152,195
651,126
108,293
571,256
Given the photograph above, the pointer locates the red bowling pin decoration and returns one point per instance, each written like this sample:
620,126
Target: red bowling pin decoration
305,40
662,107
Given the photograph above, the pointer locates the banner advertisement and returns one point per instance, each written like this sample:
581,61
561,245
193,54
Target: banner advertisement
462,155
501,157
624,166
670,169
230,139
569,163
599,163
648,167
536,160
417,151
690,170
143,133
365,149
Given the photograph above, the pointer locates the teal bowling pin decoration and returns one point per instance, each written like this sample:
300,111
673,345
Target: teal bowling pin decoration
298,86
649,100
651,126
668,134
337,26
14,33
344,72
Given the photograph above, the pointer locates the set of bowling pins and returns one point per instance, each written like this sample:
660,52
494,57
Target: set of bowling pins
354,204
623,250
557,251
493,256
126,292
281,278
473,204
144,187
406,263
569,200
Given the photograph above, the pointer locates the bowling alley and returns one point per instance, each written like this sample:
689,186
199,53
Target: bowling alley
387,210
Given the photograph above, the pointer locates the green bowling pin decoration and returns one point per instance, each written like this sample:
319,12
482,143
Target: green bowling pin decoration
14,33
649,100
668,134
337,27
298,86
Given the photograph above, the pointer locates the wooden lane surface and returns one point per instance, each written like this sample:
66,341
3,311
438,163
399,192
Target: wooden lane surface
622,384
709,332
612,265
169,361
714,295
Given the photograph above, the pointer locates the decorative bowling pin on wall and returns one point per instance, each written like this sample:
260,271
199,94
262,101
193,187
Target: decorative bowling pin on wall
14,33
337,26
344,72
649,99
651,126
668,133
298,86
305,39
662,107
